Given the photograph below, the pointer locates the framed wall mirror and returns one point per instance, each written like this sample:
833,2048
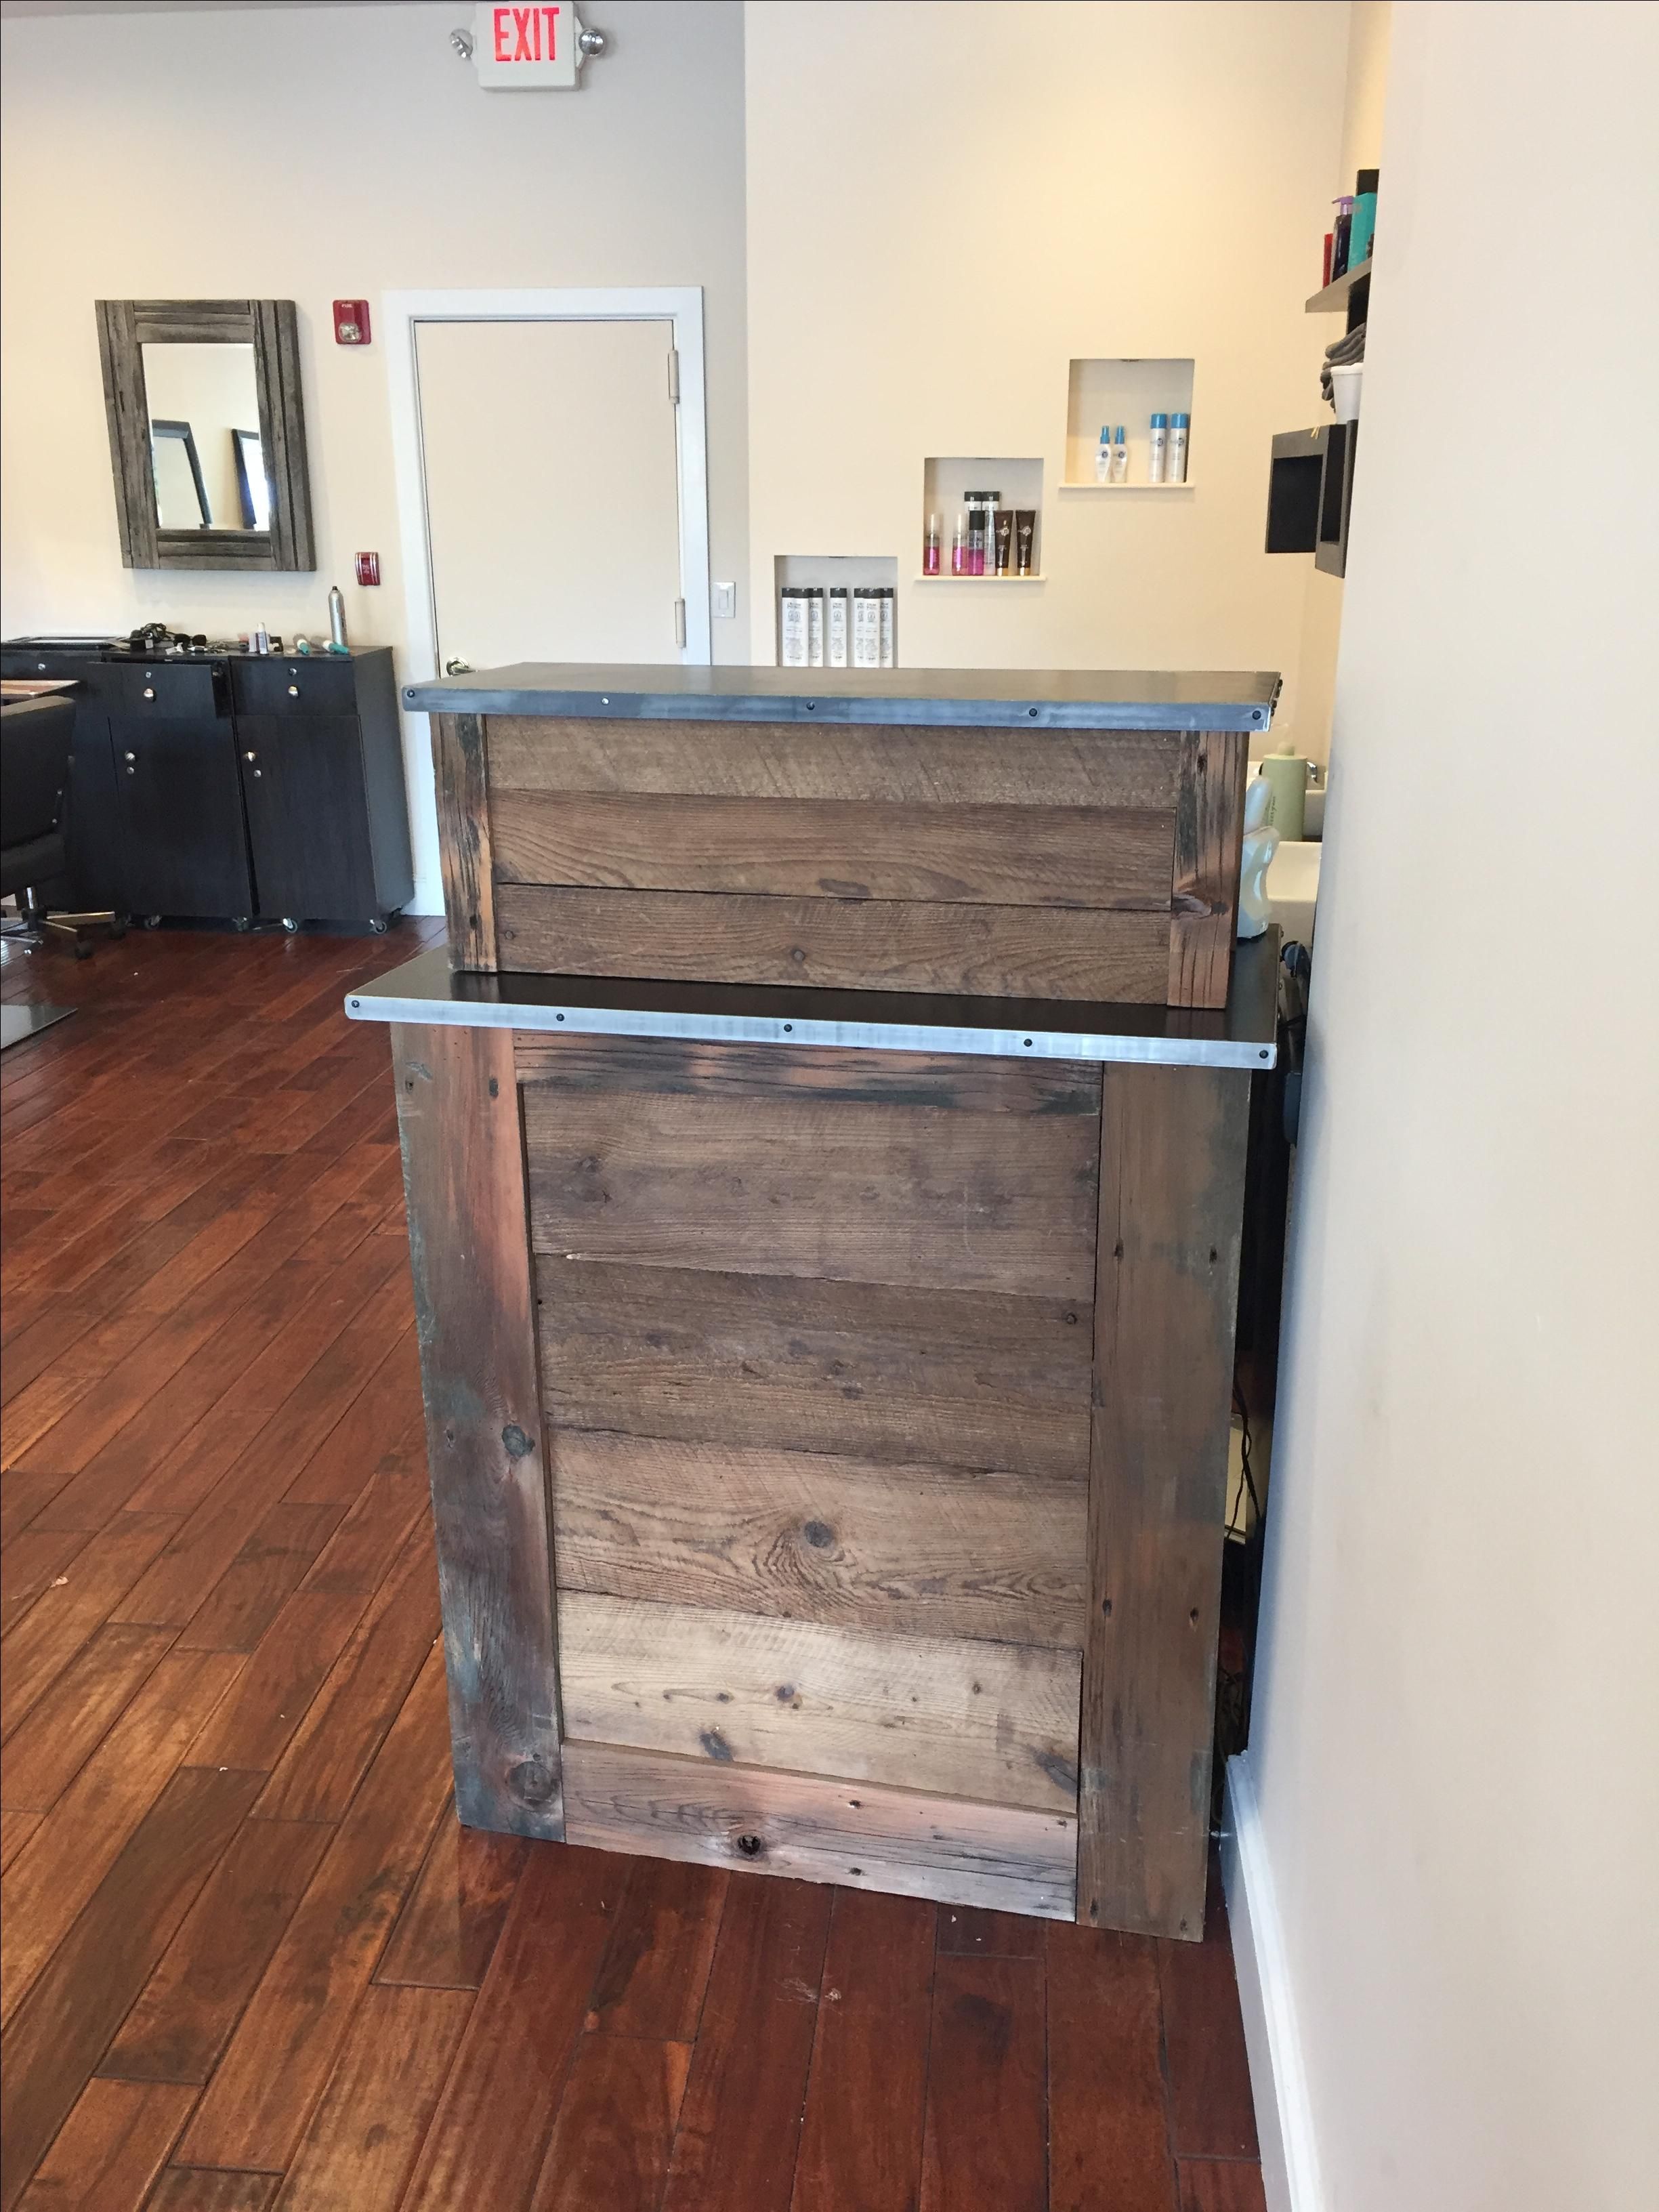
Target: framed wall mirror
197,484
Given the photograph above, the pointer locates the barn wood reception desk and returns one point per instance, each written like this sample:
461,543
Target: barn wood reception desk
824,1147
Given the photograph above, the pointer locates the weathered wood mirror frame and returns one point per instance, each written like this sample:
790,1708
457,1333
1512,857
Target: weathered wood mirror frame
271,326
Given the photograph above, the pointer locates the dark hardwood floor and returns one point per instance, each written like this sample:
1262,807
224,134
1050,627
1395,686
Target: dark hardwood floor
250,1960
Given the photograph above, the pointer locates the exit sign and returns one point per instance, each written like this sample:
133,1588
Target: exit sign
525,47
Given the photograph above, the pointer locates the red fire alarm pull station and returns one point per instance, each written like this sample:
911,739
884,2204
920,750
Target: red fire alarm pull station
368,568
351,322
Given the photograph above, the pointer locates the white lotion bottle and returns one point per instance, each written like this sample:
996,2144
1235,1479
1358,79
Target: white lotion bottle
1103,456
1157,448
1121,455
1177,465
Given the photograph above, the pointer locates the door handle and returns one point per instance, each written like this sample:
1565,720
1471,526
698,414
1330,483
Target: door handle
457,668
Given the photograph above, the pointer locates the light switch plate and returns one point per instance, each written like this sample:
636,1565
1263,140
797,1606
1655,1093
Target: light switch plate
725,601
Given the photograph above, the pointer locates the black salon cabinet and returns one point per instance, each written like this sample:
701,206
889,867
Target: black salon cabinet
233,787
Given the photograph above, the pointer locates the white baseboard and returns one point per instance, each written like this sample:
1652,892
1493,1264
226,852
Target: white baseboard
1283,2118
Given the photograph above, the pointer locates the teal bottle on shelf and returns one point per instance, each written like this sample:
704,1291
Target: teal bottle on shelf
1363,228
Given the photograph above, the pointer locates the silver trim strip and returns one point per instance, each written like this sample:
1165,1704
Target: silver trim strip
369,1005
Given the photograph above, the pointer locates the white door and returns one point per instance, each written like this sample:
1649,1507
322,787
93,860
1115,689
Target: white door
552,507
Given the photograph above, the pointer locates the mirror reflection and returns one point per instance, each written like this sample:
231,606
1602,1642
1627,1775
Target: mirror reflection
206,452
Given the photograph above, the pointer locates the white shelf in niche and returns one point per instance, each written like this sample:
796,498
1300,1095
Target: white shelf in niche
825,572
1130,391
945,480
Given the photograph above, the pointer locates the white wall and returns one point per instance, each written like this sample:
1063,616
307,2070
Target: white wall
948,203
1456,1745
312,153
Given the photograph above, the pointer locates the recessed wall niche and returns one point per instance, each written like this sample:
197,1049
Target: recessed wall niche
828,572
947,480
1130,392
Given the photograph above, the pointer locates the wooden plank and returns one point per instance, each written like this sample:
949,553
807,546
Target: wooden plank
485,2144
1203,888
611,2142
60,1867
363,2142
926,1551
869,945
834,1189
892,763
654,1974
270,1697
995,1721
1096,857
464,855
1171,1201
63,2025
740,2119
859,1834
111,2149
185,2013
969,1931
1220,2185
860,2140
207,2189
246,1600
15,1829
956,1082
1108,2146
446,1933
71,1720
76,1603
457,1110
951,1378
1211,2110
986,2109
255,2108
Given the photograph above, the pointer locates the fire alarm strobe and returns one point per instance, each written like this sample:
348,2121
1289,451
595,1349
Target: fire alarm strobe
351,322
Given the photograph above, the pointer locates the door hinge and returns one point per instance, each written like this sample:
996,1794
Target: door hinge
679,622
674,376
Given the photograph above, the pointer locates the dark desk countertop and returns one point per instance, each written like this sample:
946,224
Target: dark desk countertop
1065,699
1241,1035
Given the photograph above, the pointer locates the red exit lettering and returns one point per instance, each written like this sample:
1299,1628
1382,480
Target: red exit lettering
519,34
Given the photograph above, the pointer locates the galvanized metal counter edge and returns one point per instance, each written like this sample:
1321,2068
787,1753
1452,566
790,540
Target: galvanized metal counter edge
425,989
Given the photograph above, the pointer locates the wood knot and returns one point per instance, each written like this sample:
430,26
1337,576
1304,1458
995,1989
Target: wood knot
750,1846
819,1535
517,1444
532,1783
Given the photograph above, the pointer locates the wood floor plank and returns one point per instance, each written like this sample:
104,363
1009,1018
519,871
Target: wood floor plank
74,1605
446,1933
62,2027
861,2132
740,2119
361,2144
185,2013
611,2142
967,1931
31,1563
365,1547
109,2151
987,2131
60,1867
654,1974
1220,2185
1109,2148
486,2143
204,2189
15,1829
44,1754
275,1560
272,1694
347,1720
255,2107
22,1494
1211,2111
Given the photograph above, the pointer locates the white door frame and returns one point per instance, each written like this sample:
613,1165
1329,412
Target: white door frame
681,305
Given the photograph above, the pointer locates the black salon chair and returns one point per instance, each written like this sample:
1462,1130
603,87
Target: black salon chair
34,763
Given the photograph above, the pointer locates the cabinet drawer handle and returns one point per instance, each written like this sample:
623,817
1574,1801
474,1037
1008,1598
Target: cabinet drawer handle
148,694
129,757
293,690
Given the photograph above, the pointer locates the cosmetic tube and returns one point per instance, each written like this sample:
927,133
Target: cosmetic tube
1024,539
1005,540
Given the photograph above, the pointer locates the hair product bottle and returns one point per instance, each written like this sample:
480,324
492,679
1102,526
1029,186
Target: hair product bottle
1103,456
1176,470
1157,448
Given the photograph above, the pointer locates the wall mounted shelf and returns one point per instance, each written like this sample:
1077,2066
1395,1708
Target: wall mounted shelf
944,578
947,478
1128,390
1334,295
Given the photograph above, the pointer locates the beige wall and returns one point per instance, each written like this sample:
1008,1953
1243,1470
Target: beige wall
947,204
313,153
1456,1746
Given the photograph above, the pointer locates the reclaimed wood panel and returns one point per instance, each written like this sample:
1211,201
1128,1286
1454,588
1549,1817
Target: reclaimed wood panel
954,1378
894,763
831,1189
1171,1203
863,1835
457,1111
996,1722
871,944
926,1551
1208,845
1036,856
956,1082
464,855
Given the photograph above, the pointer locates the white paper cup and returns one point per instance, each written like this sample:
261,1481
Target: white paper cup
1344,389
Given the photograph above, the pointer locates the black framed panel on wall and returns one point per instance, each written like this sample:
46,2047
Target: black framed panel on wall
183,379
